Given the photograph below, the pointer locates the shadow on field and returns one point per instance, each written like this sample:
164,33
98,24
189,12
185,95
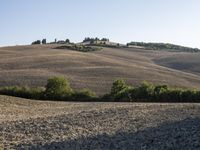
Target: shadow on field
182,135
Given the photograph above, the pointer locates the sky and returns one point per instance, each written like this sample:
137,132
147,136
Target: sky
122,21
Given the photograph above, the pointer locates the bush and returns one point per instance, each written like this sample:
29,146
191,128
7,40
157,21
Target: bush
144,92
24,92
106,98
37,93
159,90
80,48
57,88
124,95
118,90
118,86
171,95
190,95
84,95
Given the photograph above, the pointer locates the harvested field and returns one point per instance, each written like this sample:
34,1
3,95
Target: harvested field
187,62
33,65
26,124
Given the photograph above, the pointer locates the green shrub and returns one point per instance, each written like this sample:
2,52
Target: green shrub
84,95
24,92
37,93
106,98
190,95
57,88
120,91
118,86
124,95
170,95
159,90
80,48
197,96
144,92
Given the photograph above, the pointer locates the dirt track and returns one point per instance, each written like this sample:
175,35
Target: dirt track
98,125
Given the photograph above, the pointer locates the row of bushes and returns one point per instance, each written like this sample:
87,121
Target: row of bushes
108,45
80,48
148,92
58,88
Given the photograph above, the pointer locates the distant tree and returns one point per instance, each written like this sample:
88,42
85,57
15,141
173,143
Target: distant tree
97,39
44,41
60,42
87,39
55,40
36,42
67,41
92,41
105,39
163,46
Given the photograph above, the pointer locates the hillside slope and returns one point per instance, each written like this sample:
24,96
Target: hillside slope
33,65
187,62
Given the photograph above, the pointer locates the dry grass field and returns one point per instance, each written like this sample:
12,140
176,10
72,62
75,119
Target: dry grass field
33,65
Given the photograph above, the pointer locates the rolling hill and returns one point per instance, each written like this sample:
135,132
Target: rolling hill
33,65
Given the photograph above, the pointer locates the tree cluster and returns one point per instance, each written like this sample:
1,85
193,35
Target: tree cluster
44,41
93,40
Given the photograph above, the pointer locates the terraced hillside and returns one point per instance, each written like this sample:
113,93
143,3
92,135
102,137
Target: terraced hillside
26,124
33,65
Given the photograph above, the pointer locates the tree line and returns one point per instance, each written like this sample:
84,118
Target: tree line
67,41
58,88
163,46
44,41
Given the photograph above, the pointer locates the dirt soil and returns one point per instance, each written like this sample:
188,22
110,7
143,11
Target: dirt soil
27,124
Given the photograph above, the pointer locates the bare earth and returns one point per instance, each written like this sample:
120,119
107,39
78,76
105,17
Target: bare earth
26,124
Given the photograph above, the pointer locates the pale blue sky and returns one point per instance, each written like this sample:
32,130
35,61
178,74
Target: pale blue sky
172,21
